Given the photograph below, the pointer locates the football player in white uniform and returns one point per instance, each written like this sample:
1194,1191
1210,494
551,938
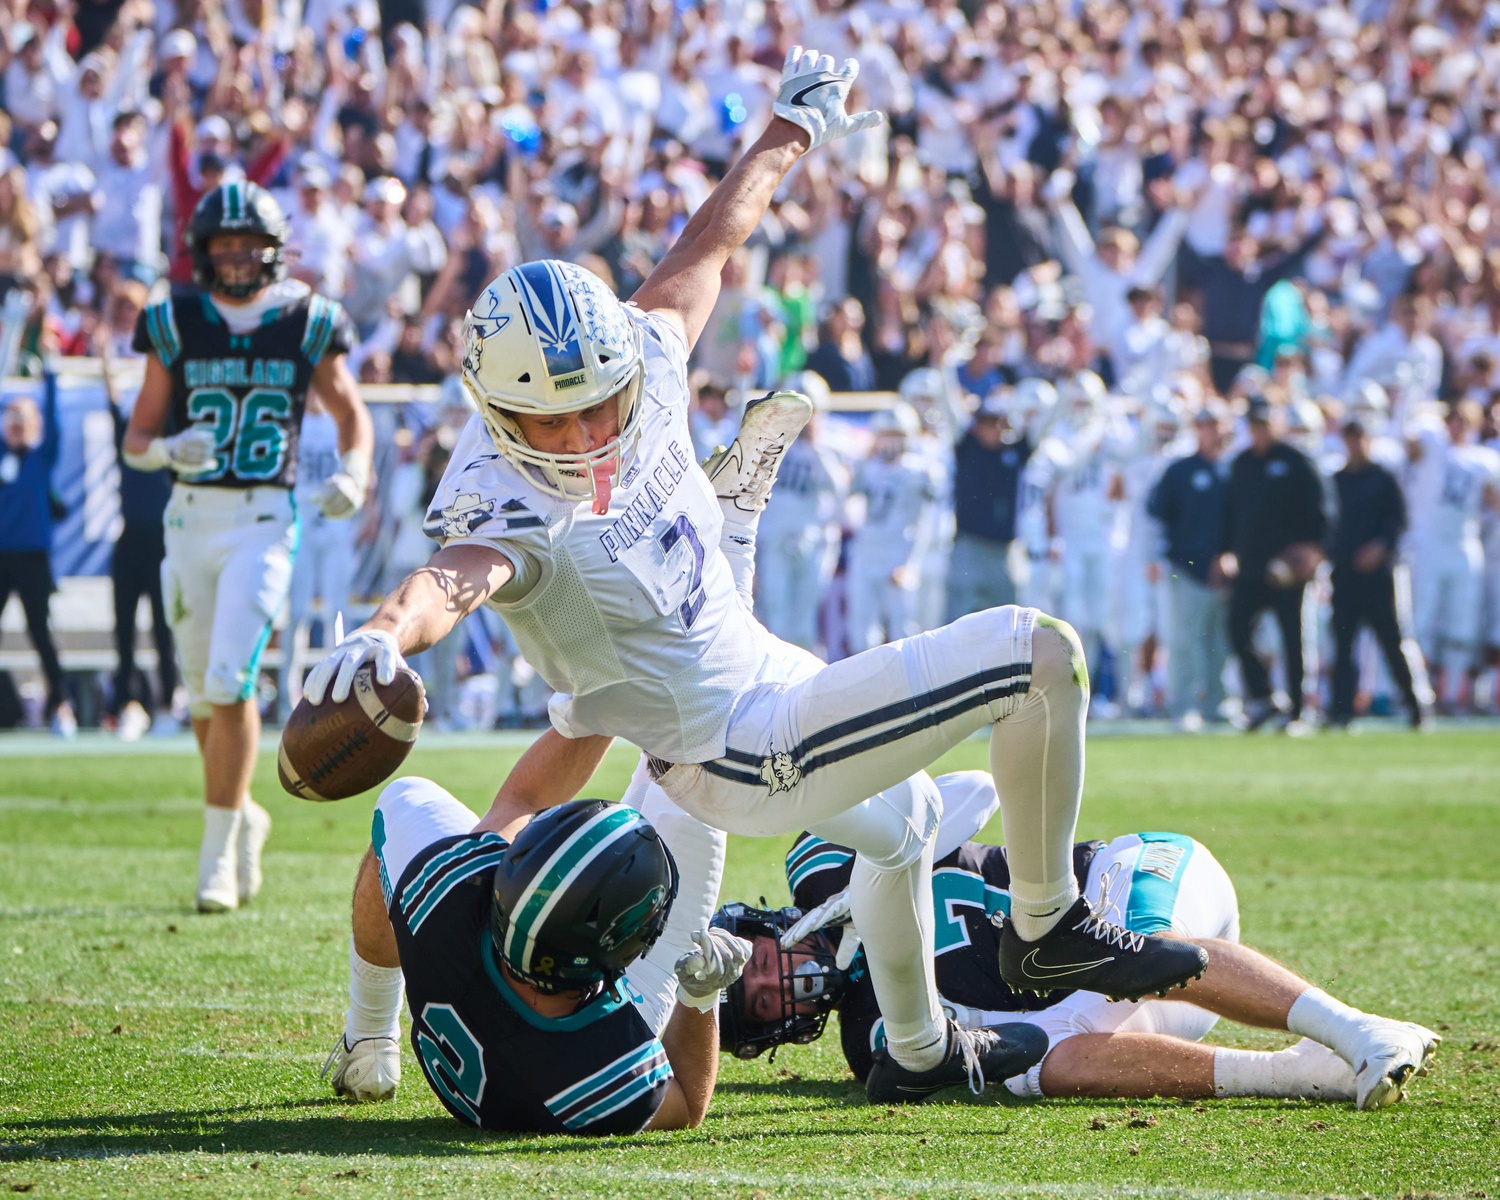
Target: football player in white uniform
228,371
1083,488
1452,480
1139,593
598,539
887,551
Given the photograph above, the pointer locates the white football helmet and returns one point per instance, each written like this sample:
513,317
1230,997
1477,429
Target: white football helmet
922,385
1305,425
810,384
548,338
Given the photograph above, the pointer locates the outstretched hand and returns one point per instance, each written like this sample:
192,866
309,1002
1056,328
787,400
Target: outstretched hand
813,96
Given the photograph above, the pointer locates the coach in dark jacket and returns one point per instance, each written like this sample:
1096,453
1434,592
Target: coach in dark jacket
1274,526
1371,520
987,466
1188,504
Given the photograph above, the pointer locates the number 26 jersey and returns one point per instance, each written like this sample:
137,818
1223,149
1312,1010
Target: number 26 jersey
246,389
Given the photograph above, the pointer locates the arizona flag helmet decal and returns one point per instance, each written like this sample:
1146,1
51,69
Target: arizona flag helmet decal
550,311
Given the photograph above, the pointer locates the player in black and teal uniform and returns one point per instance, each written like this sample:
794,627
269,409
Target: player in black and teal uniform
805,964
548,990
228,368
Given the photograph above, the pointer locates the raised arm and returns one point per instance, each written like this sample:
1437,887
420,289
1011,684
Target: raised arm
809,111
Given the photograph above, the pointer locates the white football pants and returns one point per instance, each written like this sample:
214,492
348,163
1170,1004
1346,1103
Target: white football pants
225,578
842,750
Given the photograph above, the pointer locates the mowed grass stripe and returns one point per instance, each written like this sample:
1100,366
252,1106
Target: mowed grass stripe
1367,863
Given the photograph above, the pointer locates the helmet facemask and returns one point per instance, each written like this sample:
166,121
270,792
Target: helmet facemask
571,476
807,972
268,260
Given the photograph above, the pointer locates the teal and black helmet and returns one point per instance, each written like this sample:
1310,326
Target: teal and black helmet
238,207
582,892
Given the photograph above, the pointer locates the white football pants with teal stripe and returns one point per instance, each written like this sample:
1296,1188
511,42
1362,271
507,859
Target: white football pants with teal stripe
1150,883
225,578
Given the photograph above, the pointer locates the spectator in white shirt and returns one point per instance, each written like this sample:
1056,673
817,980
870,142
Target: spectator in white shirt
39,77
381,258
318,238
127,221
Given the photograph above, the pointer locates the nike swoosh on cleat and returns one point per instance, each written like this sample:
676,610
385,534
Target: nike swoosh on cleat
798,97
1038,970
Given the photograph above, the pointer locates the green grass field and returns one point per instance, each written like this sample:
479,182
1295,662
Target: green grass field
148,1051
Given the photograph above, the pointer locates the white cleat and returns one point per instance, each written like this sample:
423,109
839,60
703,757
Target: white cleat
218,867
1392,1052
366,1072
744,472
1320,1074
255,828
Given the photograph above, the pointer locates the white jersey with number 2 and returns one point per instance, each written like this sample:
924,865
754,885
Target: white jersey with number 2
632,617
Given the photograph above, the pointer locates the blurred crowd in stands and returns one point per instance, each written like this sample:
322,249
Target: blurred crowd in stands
1102,252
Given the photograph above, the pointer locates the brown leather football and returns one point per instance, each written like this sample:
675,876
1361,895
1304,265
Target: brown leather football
333,751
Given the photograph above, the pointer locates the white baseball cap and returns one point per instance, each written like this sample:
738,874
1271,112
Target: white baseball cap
215,127
180,43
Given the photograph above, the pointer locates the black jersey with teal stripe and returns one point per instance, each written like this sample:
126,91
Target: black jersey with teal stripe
248,390
969,887
491,1059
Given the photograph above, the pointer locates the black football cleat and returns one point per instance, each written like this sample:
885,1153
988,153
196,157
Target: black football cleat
975,1056
1086,952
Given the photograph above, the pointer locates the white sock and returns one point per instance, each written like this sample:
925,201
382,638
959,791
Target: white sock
1036,909
1317,1015
738,544
1306,1071
899,905
216,853
922,1051
375,995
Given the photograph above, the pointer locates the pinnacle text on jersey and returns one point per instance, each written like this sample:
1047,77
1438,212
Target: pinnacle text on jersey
635,521
240,372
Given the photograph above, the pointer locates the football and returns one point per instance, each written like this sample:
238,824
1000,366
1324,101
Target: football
333,751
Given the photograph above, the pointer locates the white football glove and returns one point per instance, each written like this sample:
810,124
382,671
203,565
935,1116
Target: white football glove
343,493
191,452
362,646
833,911
813,95
705,972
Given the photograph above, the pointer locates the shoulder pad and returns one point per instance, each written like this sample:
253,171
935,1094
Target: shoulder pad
161,327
